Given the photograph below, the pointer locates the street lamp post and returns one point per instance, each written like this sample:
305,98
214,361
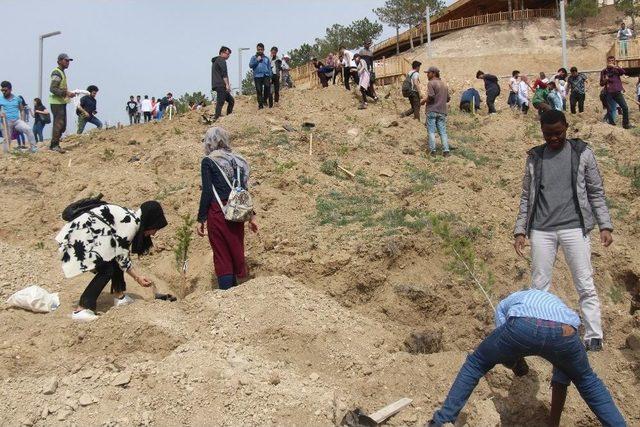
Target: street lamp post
42,37
240,68
563,30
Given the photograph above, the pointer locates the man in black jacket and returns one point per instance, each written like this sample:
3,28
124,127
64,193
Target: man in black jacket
88,109
132,109
220,82
276,68
492,89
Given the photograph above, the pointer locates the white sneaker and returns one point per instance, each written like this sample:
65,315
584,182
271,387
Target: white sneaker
125,300
85,315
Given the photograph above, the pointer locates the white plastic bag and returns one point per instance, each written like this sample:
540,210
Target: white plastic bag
79,94
34,298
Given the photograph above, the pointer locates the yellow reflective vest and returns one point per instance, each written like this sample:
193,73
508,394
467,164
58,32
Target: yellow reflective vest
55,99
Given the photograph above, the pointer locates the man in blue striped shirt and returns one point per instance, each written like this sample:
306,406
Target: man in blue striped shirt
532,323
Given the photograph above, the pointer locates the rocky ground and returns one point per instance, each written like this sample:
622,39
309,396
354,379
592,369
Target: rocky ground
344,272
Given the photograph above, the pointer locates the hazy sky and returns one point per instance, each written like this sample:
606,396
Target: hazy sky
128,47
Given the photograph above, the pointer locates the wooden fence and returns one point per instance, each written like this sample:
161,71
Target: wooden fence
388,70
470,21
305,76
628,56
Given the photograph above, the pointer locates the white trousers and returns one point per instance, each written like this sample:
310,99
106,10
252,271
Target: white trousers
577,252
22,127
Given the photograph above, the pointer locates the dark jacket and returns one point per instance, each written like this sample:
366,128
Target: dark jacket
588,189
491,83
218,72
212,177
469,95
89,104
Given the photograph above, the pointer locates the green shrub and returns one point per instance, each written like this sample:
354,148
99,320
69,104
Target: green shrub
341,209
329,167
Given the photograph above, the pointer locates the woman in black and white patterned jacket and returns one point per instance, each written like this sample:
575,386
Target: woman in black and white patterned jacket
101,241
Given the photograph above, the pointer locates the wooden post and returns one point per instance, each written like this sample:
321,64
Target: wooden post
348,172
473,106
311,143
384,66
7,137
380,416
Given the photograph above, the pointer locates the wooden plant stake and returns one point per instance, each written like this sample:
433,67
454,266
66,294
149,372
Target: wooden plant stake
5,132
348,172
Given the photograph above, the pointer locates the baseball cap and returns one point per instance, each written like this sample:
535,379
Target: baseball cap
433,70
63,56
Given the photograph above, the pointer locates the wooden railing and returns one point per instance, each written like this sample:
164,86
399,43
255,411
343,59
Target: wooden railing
628,52
470,21
304,75
388,69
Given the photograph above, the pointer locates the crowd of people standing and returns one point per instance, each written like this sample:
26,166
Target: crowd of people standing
349,67
143,110
564,89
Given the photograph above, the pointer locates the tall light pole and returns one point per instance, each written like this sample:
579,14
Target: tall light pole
240,68
563,30
42,37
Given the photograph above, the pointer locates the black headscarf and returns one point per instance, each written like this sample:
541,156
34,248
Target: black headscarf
151,218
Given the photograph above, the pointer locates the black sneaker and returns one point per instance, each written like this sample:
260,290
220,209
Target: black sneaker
594,344
433,153
446,154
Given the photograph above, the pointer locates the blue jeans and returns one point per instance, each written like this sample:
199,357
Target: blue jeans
520,337
37,131
437,121
624,51
82,122
160,114
614,100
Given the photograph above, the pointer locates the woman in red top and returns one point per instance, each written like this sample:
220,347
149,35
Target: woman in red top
541,82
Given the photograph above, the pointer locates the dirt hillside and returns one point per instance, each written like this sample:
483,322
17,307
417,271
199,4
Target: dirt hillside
343,271
500,48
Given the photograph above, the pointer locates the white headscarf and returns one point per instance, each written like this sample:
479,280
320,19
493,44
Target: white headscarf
216,138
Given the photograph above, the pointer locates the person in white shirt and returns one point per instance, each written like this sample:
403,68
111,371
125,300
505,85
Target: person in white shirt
523,94
514,83
348,67
146,108
286,71
624,34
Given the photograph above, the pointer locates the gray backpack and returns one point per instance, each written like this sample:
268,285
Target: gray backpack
407,85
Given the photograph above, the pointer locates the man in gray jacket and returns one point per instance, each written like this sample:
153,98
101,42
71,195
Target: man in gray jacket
562,200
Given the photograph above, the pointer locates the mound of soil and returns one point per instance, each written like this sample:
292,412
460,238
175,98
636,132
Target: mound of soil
343,271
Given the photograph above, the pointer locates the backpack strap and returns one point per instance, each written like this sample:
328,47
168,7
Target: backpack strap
224,175
413,86
217,198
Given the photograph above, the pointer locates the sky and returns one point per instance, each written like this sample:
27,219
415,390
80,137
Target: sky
151,47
